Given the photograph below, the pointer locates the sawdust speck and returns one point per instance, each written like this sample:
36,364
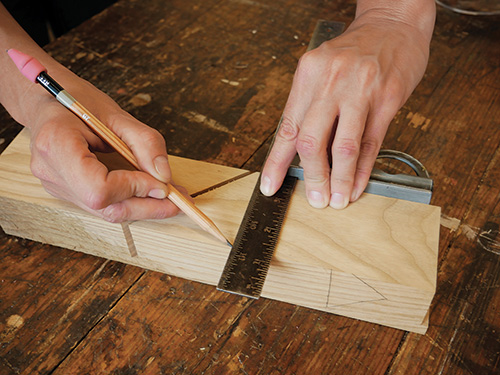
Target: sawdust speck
231,83
418,121
140,100
15,321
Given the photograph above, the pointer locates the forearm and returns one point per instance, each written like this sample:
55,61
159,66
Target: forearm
20,97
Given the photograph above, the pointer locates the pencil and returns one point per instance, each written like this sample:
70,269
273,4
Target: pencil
35,72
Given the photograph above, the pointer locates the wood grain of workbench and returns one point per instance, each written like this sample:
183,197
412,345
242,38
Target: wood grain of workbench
213,77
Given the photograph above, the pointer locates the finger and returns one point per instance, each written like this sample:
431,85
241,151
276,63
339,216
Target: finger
147,144
107,188
142,208
139,209
312,146
281,155
345,153
284,147
369,148
376,128
133,200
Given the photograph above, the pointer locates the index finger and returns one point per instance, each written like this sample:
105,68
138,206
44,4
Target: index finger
284,147
280,156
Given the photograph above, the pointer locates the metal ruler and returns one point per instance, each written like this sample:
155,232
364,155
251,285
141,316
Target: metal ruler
250,257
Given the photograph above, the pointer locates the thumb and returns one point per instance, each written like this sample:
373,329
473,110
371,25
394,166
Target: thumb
150,150
147,145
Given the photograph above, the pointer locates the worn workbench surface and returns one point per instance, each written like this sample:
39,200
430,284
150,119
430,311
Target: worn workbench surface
213,77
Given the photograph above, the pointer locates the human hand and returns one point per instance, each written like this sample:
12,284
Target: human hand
62,158
344,95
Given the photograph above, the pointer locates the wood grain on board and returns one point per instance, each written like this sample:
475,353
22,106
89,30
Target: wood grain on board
374,261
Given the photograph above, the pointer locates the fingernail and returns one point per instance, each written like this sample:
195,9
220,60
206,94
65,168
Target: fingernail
354,195
338,201
265,186
316,199
157,193
162,166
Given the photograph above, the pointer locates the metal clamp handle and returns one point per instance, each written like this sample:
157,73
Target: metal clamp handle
401,186
422,179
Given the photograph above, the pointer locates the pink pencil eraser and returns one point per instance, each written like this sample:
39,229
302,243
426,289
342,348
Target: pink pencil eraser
27,65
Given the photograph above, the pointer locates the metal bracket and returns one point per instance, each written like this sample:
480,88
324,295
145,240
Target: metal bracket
401,186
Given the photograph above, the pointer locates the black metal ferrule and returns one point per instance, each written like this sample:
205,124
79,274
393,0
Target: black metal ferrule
48,82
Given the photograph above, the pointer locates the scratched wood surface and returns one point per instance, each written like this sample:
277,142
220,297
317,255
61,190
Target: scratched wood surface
216,74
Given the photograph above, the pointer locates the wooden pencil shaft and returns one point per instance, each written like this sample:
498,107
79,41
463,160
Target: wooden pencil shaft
194,213
104,133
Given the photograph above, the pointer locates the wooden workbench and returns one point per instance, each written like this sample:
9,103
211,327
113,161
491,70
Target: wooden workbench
216,74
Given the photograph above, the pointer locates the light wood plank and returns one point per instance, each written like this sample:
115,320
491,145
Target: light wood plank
374,261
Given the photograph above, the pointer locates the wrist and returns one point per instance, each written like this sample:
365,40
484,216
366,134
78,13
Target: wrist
415,15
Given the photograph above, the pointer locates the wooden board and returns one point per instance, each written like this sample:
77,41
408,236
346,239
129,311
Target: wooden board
374,261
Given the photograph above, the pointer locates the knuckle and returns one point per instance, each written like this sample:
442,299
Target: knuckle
41,151
38,168
144,135
317,179
288,130
342,181
151,133
96,199
115,213
347,148
395,91
342,60
307,64
369,148
308,145
41,144
369,70
151,136
363,172
163,212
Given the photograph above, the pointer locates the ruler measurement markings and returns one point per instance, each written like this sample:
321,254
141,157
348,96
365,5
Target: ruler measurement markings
253,249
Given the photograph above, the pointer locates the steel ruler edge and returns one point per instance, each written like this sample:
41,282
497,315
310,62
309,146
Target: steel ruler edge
250,257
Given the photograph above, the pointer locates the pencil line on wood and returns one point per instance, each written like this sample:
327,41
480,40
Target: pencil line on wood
329,289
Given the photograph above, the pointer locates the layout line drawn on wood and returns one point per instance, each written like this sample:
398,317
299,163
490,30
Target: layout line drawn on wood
367,292
376,260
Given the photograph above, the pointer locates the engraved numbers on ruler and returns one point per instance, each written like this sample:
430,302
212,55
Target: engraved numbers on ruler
249,260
